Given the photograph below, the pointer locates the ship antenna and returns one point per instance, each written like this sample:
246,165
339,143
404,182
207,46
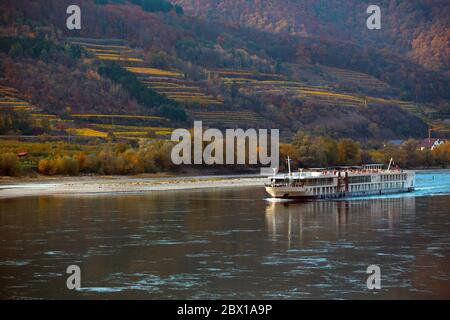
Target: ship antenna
289,165
390,163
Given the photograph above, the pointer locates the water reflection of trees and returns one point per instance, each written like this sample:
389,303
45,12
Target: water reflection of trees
326,220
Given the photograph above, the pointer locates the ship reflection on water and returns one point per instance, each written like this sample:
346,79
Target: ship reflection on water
227,244
407,237
294,219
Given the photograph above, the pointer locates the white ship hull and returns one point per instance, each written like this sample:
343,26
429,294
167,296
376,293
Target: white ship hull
295,193
328,184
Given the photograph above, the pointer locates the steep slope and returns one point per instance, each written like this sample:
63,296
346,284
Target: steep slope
228,75
418,28
212,44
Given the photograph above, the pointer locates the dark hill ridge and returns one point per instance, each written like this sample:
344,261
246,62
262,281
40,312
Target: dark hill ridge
417,28
213,44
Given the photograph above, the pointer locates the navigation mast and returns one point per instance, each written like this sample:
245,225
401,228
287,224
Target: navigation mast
289,166
390,163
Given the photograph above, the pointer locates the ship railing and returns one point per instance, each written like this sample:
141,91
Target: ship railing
283,184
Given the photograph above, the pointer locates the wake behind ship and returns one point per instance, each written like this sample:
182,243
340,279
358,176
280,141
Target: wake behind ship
366,180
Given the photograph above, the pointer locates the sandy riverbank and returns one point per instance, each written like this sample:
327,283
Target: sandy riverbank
92,185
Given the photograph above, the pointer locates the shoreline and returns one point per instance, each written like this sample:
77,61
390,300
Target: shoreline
121,184
11,187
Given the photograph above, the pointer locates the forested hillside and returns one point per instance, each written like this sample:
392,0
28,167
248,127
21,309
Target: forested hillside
149,63
418,28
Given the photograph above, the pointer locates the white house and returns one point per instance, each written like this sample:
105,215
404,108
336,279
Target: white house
430,144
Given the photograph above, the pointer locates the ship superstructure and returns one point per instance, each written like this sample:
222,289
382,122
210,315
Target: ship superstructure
340,182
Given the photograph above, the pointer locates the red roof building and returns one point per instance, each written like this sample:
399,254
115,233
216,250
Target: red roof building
430,144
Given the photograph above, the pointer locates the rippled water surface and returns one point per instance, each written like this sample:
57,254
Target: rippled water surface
228,243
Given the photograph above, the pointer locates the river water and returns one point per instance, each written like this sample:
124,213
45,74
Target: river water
227,244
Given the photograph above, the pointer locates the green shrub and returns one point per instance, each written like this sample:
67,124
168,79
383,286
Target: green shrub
67,165
9,164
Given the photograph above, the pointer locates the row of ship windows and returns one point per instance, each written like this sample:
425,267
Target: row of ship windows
393,177
362,187
357,179
323,190
377,186
315,182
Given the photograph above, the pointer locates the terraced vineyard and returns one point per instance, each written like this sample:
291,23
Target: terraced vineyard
173,84
89,125
16,105
232,119
136,132
357,79
167,82
10,99
198,102
269,84
182,91
91,116
329,98
107,49
122,132
87,132
130,127
235,76
426,112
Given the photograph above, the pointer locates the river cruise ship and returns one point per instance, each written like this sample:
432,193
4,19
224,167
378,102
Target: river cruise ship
340,182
